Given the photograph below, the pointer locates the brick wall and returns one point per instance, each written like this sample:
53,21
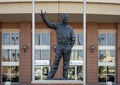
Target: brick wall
92,58
0,53
9,25
118,54
25,58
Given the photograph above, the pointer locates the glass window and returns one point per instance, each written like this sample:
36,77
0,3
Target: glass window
102,39
110,39
10,38
37,54
106,39
79,39
38,73
6,55
80,73
111,70
102,78
77,55
80,54
74,55
75,73
76,62
106,57
102,55
5,38
10,56
42,55
45,39
42,38
14,74
111,78
14,55
45,72
71,74
10,73
102,70
41,72
14,38
110,55
45,54
106,73
37,39
6,74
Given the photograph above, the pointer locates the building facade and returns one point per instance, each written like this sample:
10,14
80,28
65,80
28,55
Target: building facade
103,42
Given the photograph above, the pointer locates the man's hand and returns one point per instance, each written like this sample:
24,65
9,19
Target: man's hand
43,14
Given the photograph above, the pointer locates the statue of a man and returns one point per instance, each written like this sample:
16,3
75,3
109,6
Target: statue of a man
65,41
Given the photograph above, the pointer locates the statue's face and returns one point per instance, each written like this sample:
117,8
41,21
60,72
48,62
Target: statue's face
64,18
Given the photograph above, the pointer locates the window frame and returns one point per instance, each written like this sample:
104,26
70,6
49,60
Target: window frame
42,63
107,47
75,63
11,47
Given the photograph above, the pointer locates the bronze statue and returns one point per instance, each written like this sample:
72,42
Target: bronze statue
65,41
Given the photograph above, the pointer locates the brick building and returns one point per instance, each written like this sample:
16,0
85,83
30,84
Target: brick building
103,33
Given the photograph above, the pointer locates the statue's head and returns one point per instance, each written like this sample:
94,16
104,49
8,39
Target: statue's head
64,18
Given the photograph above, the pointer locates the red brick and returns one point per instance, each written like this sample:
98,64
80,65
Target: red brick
118,54
25,58
92,57
0,52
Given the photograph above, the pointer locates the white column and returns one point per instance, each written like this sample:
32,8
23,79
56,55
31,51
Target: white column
33,37
84,34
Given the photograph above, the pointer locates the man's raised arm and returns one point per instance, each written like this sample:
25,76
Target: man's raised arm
47,23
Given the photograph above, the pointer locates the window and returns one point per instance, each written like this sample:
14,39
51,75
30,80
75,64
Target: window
42,55
106,56
42,38
75,73
77,54
76,62
10,56
106,73
79,38
41,72
106,39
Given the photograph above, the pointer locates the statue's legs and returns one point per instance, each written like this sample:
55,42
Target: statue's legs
56,62
66,60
